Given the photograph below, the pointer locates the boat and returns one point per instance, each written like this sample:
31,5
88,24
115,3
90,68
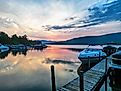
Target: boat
115,71
3,48
116,61
18,47
119,49
39,46
110,49
92,54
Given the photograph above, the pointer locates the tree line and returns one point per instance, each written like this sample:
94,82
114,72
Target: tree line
15,39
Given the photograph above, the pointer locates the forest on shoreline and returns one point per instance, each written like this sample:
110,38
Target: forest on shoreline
15,39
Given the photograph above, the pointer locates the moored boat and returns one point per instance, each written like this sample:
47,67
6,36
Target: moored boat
92,54
19,46
116,61
39,46
115,71
3,48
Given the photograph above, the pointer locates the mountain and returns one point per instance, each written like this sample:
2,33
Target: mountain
45,41
103,39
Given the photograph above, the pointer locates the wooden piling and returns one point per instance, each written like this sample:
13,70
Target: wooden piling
53,78
106,84
106,74
88,62
99,56
81,81
106,65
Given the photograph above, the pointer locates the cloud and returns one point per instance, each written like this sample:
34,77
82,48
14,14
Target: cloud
66,19
10,26
35,13
102,17
105,11
101,12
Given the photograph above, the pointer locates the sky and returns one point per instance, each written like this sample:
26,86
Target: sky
60,19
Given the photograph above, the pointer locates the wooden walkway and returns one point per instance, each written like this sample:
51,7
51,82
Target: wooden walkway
91,78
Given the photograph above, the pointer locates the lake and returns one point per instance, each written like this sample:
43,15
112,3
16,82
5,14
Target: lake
30,70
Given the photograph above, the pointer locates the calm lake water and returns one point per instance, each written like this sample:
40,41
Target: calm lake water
30,70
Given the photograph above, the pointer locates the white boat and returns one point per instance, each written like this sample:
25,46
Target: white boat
92,54
3,48
39,46
116,61
18,47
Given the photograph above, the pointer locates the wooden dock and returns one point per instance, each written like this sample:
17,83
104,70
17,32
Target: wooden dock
91,78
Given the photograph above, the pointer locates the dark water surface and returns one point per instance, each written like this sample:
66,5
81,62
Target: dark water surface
30,70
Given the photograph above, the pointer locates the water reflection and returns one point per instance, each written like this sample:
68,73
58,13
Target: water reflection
20,52
29,70
49,61
4,55
16,52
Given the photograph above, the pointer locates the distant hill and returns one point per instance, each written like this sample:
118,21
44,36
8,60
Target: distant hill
103,39
45,41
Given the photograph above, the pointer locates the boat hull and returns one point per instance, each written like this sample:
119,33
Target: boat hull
4,50
86,60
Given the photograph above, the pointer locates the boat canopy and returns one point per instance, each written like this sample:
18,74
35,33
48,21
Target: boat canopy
95,47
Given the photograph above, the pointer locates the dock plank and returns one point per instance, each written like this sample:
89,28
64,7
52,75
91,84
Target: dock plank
91,78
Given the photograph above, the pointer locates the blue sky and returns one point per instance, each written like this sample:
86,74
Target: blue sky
87,17
43,10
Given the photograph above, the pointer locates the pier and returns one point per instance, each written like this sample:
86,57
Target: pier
90,80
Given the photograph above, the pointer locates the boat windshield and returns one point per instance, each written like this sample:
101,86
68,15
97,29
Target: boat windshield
92,50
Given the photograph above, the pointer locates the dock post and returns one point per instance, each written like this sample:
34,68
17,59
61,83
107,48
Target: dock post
81,81
106,74
106,84
53,78
88,61
106,65
99,56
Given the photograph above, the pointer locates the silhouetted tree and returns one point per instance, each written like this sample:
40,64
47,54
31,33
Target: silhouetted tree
15,39
5,39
